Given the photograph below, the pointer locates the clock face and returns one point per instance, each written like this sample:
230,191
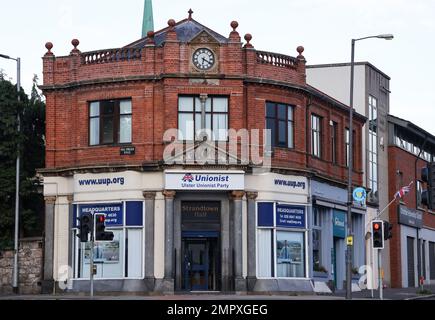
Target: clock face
203,59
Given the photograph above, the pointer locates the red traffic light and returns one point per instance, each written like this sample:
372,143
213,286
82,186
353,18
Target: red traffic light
101,218
376,226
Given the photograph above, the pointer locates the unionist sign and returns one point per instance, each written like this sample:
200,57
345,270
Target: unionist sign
205,180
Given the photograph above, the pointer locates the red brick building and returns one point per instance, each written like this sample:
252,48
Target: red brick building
107,113
412,248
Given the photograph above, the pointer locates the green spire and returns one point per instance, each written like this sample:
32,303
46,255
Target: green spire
148,20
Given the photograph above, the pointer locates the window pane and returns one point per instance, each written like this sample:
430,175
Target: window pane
282,133
94,131
270,124
290,254
270,110
125,107
109,257
265,253
220,105
185,126
108,107
313,123
282,112
95,109
107,129
185,104
197,105
290,113
125,129
208,105
220,127
290,134
197,122
135,250
208,121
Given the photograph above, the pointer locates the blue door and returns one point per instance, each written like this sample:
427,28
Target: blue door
196,265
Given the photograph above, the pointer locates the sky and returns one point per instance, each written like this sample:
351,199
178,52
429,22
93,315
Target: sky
324,27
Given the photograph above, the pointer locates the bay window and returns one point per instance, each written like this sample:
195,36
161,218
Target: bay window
281,241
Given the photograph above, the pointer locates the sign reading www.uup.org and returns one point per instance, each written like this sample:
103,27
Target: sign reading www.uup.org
204,180
107,181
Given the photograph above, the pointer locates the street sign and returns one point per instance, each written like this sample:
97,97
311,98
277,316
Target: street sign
359,194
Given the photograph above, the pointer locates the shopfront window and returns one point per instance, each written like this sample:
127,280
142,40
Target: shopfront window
117,259
281,241
290,254
316,231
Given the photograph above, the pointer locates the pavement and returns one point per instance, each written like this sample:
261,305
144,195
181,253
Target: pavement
393,294
388,294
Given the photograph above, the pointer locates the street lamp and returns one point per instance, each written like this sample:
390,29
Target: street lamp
17,179
350,164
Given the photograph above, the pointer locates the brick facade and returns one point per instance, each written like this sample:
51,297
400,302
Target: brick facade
402,171
154,75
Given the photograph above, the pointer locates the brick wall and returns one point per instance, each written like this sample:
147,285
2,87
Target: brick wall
30,267
401,171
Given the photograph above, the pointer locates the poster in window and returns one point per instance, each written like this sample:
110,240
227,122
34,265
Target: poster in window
104,252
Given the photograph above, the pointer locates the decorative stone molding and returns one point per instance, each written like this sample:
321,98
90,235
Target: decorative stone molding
149,195
50,200
252,195
237,195
169,194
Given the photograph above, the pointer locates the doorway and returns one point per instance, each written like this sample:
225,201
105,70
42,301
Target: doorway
200,264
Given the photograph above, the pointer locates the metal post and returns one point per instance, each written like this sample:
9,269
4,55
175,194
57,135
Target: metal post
17,188
381,289
91,275
372,280
349,182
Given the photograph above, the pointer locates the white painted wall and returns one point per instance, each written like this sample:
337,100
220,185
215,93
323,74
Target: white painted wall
335,82
61,235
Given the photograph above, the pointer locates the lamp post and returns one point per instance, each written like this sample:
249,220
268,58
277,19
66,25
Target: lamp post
350,164
17,180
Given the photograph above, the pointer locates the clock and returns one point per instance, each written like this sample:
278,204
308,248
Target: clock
203,59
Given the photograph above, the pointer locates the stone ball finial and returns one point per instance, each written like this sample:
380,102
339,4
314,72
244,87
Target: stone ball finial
75,43
171,23
150,37
300,50
248,38
49,46
234,25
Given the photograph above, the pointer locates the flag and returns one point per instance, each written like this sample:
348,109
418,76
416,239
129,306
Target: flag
404,190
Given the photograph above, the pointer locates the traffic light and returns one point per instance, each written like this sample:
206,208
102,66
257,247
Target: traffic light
388,230
85,227
428,195
100,228
378,234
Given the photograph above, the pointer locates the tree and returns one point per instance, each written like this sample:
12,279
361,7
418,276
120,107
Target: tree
30,143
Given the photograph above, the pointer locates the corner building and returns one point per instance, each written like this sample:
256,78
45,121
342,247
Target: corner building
188,226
